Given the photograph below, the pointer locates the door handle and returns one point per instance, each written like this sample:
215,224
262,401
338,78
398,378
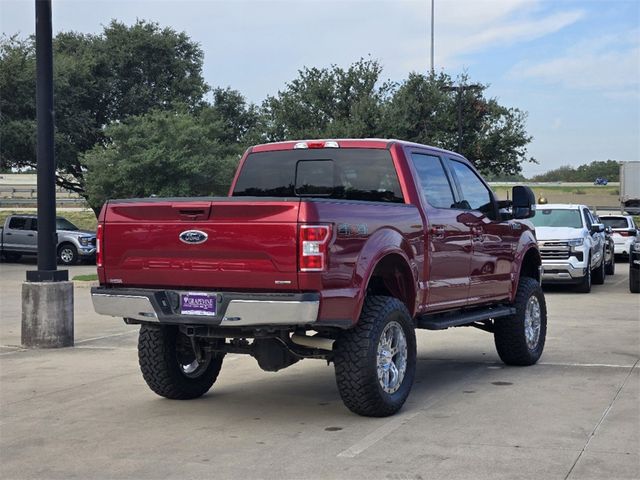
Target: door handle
8,233
437,231
29,234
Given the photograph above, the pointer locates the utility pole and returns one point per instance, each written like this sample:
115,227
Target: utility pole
47,295
432,36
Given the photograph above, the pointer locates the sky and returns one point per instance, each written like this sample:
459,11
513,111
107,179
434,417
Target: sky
574,66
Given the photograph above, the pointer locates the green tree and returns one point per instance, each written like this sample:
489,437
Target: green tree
161,153
17,102
430,110
588,172
355,102
237,121
328,102
98,80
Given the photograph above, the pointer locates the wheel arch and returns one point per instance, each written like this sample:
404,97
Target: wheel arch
65,242
529,267
386,267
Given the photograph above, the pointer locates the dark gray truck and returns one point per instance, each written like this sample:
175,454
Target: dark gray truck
19,237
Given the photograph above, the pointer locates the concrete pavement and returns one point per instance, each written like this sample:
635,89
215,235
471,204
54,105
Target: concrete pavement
85,412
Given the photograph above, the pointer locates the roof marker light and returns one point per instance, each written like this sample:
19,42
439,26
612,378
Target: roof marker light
316,144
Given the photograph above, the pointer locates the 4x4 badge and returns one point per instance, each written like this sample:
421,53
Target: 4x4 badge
193,237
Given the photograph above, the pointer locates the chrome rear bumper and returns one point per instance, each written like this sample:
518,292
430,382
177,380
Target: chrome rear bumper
234,309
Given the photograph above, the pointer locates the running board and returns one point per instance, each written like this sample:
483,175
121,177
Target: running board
442,321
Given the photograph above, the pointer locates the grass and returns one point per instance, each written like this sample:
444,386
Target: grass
86,278
84,220
601,196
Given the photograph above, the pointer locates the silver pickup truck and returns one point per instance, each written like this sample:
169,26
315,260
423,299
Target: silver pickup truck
19,236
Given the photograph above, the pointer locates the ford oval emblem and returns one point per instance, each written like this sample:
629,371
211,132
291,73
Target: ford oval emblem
193,237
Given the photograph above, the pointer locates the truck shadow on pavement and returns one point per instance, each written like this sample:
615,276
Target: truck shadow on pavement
308,392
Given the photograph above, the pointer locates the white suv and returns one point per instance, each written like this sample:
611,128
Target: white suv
624,231
571,245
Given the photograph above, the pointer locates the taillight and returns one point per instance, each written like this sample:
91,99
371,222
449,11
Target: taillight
313,243
99,246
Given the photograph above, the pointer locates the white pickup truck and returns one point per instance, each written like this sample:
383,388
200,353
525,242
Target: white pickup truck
571,245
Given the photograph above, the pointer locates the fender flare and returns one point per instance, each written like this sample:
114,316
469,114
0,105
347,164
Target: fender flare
381,244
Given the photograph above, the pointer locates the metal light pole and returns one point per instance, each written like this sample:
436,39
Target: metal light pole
47,295
459,89
432,26
47,239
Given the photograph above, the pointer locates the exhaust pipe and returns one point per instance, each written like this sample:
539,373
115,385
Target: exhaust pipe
319,343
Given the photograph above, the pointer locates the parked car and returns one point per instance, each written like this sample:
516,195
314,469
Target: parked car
609,248
572,245
19,237
624,231
334,250
600,181
634,265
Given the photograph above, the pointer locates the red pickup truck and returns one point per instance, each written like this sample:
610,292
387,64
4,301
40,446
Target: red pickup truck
336,250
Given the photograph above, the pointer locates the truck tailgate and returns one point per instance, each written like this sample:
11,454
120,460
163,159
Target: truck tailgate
250,244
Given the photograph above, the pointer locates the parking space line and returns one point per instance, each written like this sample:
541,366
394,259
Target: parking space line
17,350
603,365
106,336
100,347
624,280
604,415
500,365
400,420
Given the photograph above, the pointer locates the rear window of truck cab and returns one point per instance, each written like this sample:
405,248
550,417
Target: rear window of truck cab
347,174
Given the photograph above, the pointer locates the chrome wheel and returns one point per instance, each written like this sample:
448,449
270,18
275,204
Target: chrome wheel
392,357
187,361
532,322
194,369
67,255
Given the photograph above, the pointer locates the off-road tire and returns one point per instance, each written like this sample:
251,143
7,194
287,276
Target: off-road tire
634,281
67,254
356,357
158,359
610,268
585,284
599,273
509,334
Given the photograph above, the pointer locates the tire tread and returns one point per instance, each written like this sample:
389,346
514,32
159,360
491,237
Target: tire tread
352,360
156,357
509,332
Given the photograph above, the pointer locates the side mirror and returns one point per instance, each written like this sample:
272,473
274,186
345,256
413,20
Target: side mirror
597,228
523,202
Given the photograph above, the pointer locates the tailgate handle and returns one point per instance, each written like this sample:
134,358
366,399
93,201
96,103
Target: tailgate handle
191,214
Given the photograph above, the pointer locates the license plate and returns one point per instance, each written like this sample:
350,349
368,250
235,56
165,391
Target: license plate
198,304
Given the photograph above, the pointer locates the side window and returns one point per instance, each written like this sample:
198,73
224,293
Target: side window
587,218
18,223
476,196
34,224
433,180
